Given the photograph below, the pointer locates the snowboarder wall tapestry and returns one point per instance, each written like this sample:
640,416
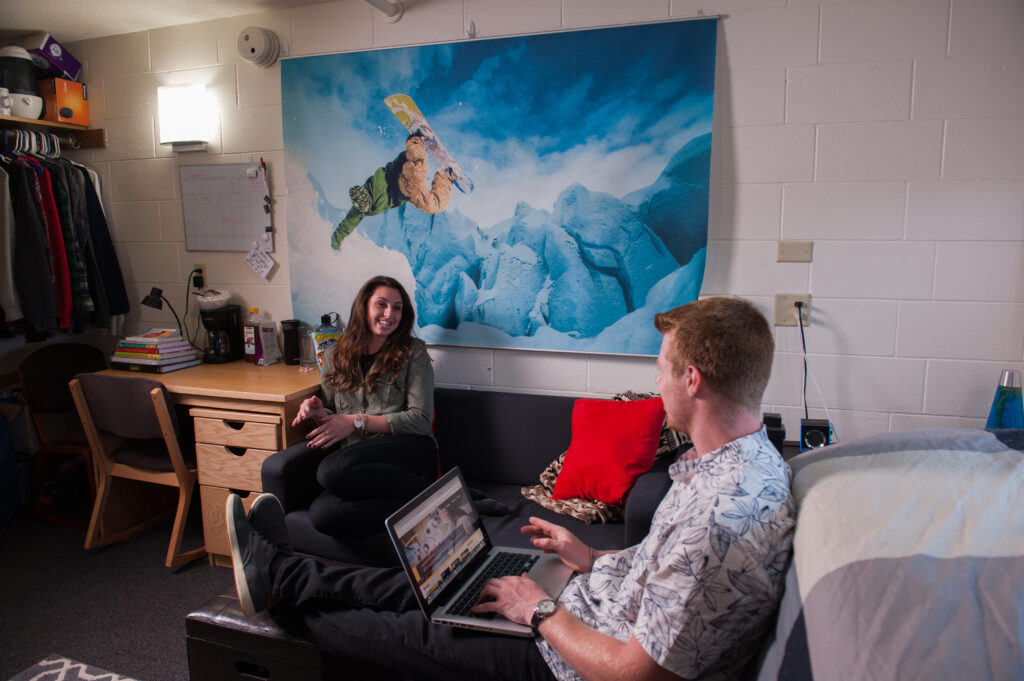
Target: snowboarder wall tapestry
544,192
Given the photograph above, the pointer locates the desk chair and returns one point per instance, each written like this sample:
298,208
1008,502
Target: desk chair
44,381
142,462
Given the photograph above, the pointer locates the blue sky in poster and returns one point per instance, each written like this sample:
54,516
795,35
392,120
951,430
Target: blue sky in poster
541,111
607,128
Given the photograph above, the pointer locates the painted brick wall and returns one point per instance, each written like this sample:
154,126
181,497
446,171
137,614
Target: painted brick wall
889,133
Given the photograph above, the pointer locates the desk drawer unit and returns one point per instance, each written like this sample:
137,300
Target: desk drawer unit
230,449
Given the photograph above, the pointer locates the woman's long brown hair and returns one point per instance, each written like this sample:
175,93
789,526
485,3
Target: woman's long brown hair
346,374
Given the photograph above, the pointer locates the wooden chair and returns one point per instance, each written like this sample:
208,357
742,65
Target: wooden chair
44,380
141,461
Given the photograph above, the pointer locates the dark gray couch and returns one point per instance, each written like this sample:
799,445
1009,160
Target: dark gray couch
502,442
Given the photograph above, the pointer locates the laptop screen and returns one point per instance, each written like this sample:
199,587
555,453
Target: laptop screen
439,535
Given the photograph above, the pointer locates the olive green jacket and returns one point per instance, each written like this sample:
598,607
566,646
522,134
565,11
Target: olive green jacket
405,400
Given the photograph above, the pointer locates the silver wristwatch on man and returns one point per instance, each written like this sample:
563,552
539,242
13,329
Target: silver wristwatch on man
545,609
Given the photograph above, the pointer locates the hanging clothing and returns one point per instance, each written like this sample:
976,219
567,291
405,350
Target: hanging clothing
8,295
58,265
31,263
59,273
103,249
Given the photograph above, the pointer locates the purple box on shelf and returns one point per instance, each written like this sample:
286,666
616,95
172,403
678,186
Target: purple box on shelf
50,57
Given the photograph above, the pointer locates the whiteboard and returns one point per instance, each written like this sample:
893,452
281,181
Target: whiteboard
226,207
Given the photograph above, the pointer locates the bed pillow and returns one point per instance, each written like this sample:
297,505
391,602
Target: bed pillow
613,443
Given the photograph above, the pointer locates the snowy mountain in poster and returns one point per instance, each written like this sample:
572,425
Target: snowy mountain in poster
573,272
582,226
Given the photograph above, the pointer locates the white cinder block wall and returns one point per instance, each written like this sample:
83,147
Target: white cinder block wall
891,134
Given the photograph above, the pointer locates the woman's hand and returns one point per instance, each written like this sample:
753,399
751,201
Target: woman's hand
332,430
551,538
313,408
513,597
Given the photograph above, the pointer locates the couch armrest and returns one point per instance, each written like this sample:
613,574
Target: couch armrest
290,475
648,491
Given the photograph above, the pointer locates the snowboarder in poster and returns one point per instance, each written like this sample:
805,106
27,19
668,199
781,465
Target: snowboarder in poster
403,179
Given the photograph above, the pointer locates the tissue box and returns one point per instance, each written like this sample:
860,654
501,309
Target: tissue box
66,101
50,57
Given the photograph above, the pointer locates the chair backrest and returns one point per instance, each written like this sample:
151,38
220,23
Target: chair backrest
46,372
122,406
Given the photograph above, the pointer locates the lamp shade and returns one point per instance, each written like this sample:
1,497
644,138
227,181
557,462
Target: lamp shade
153,300
187,114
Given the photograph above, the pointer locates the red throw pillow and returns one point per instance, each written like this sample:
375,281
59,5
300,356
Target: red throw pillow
613,443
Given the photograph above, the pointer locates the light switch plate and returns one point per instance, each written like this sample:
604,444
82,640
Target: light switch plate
794,251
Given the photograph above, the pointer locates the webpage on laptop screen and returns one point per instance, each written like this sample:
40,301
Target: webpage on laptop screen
439,538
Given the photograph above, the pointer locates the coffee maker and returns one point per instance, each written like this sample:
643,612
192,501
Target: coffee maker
224,334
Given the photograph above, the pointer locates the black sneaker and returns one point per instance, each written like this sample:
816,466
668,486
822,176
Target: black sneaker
266,515
251,554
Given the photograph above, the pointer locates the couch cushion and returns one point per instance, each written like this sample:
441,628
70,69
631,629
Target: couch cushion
504,529
500,437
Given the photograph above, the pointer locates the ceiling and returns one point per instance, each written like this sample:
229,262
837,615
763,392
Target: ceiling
72,20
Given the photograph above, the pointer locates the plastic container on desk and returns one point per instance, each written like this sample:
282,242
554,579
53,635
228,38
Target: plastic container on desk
251,335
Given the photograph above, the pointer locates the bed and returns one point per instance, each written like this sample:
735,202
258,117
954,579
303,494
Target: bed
908,561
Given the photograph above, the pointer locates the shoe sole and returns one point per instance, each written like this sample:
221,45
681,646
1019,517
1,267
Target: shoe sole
241,584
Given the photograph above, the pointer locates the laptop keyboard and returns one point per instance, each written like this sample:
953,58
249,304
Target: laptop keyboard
503,564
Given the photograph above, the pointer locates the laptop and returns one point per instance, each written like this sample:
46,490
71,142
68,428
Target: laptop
447,555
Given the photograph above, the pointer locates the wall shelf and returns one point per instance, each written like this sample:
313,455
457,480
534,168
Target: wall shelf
82,136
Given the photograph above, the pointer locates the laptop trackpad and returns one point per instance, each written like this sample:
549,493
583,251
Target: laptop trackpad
551,573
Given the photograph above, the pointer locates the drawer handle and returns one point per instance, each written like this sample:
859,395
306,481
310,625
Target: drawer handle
235,425
237,451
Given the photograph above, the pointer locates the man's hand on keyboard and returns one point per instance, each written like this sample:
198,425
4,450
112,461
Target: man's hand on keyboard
513,597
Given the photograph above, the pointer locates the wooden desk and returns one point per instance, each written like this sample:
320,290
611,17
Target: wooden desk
242,414
240,386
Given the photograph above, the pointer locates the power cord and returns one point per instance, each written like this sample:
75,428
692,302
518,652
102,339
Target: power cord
188,287
803,342
807,372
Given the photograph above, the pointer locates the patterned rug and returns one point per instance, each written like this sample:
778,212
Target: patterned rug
57,668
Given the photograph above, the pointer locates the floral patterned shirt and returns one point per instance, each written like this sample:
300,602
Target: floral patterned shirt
699,591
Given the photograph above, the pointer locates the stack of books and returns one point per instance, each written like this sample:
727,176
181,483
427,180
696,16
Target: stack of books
156,351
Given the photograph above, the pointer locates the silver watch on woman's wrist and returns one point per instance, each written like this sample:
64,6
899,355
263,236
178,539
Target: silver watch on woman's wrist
359,422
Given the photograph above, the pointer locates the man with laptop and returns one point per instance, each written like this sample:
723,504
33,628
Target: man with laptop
691,600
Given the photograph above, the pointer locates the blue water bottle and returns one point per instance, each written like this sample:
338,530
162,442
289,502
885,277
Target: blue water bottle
1007,407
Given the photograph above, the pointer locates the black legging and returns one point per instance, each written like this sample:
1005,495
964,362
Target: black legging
366,481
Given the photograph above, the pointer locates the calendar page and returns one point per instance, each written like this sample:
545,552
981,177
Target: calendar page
226,207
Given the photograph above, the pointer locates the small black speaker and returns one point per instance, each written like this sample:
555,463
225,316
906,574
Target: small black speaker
815,433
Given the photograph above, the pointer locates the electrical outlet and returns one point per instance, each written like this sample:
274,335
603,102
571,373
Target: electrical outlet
199,278
785,308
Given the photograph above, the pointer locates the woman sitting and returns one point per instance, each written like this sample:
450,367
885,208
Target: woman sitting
373,424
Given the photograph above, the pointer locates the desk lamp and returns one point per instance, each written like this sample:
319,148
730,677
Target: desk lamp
156,300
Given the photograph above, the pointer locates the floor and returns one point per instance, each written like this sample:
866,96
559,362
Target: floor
116,607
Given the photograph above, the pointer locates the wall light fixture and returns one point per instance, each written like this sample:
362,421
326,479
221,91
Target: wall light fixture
188,116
